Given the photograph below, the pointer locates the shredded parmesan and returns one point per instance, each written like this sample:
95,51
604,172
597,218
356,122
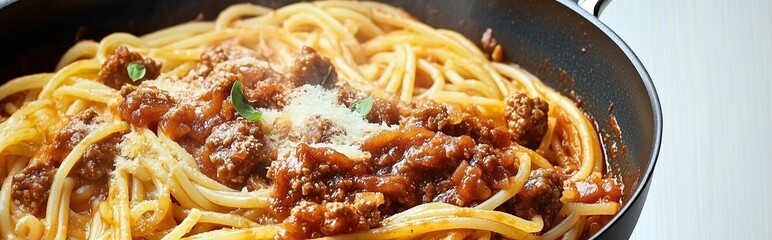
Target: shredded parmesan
310,101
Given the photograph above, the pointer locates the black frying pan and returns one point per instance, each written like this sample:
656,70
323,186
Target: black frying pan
558,41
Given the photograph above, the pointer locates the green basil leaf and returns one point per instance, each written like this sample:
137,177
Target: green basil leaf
363,106
136,70
241,105
327,77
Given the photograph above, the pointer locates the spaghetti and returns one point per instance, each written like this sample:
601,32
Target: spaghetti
139,137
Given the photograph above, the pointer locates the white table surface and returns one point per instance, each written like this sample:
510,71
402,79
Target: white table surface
710,62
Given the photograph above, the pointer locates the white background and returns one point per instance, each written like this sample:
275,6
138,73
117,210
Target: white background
710,62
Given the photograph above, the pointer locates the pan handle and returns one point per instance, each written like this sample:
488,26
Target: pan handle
594,7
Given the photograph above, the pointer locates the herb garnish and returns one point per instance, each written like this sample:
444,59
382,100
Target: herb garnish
136,71
327,77
363,106
241,105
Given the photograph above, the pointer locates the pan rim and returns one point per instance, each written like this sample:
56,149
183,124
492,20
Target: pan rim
656,108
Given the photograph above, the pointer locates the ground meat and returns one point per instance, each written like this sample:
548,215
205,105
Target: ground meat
72,134
313,220
99,159
311,174
264,87
540,196
482,129
432,116
496,164
114,73
312,68
569,161
366,205
438,168
179,122
420,164
348,95
236,148
32,184
227,51
94,168
527,119
438,117
320,130
196,118
383,111
204,124
212,57
407,167
144,106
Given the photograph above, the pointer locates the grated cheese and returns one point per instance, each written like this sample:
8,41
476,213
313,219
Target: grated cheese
309,101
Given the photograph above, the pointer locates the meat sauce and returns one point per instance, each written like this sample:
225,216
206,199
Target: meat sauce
435,152
409,167
227,148
114,73
540,196
31,186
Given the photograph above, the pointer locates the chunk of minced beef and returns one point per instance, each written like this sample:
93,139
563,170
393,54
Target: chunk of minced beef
384,110
31,186
432,116
99,158
264,87
312,68
311,174
222,53
114,73
144,106
348,95
527,119
313,220
72,134
196,117
95,166
540,196
439,117
236,149
320,130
